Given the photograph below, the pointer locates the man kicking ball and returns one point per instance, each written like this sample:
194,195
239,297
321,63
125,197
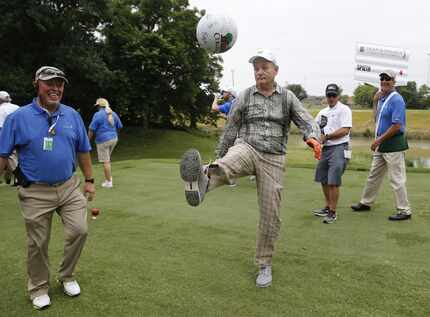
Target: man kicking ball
254,143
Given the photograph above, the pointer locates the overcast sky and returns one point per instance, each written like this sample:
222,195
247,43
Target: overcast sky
315,40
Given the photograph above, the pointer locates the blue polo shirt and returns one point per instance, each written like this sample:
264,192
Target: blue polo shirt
102,128
394,112
25,130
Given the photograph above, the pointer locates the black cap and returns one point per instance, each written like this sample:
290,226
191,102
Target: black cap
332,89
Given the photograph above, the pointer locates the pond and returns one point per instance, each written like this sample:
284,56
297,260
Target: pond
363,142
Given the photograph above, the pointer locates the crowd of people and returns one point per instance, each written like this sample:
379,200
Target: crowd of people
45,141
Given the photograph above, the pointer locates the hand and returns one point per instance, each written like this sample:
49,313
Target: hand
375,144
377,96
316,146
323,138
89,191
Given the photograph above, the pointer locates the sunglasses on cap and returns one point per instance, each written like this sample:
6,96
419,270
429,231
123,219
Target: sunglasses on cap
385,77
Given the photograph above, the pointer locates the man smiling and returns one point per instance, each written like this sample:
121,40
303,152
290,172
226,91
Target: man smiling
48,137
388,149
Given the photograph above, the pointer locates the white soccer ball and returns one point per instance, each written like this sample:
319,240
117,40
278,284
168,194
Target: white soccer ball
216,32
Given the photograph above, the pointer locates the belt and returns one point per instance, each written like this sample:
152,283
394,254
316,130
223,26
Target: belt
50,185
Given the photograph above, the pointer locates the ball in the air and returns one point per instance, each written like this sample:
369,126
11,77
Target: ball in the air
216,33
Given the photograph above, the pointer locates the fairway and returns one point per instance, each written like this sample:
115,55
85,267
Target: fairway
150,254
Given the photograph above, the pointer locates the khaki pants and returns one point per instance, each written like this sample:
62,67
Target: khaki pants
394,163
242,160
38,204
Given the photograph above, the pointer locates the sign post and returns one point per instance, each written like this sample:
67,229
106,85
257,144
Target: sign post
371,60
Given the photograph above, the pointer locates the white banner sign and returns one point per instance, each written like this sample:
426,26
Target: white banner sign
371,60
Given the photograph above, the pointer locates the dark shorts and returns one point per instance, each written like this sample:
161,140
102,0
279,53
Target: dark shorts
332,165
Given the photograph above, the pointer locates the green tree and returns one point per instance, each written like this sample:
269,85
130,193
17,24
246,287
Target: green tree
363,95
344,99
164,74
34,33
298,90
424,97
409,94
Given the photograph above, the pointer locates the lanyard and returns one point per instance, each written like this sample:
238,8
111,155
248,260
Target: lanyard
380,112
51,130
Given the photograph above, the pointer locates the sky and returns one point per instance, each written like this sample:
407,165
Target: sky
314,41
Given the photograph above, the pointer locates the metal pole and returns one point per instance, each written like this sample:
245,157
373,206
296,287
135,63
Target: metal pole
232,78
428,70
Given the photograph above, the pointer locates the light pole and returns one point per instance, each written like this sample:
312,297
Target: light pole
232,78
428,69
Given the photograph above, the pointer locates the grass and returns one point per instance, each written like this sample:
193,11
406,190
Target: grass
150,254
363,125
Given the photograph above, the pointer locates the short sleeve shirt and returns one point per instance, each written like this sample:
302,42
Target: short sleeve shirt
103,130
334,118
26,130
392,113
6,109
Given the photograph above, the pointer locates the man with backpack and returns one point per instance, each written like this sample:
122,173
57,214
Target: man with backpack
254,143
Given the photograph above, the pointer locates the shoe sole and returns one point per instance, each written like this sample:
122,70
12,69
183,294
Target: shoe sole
319,214
41,308
70,295
329,221
190,170
263,285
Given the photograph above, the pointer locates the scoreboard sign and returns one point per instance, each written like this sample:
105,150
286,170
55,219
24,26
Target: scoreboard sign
371,60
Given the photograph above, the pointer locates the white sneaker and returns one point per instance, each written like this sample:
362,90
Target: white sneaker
41,302
71,288
107,184
264,278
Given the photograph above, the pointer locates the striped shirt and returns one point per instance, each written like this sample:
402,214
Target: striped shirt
264,122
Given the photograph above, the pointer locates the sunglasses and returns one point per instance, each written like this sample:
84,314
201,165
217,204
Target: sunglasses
331,95
385,78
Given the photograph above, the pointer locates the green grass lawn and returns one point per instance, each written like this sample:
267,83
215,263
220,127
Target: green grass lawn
150,254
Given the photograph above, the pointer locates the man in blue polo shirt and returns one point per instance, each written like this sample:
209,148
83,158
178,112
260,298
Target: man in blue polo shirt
50,139
389,149
224,104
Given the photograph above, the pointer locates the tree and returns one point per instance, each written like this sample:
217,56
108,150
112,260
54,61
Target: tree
141,55
34,33
409,94
344,99
424,97
298,90
363,95
165,74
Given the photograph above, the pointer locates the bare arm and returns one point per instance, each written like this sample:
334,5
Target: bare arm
3,164
392,131
215,105
339,133
84,160
90,134
376,98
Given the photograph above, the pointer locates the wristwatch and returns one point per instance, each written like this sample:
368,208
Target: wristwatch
90,180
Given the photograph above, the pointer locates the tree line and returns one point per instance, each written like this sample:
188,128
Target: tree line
415,98
139,54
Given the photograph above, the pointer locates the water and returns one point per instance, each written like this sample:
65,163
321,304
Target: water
363,142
